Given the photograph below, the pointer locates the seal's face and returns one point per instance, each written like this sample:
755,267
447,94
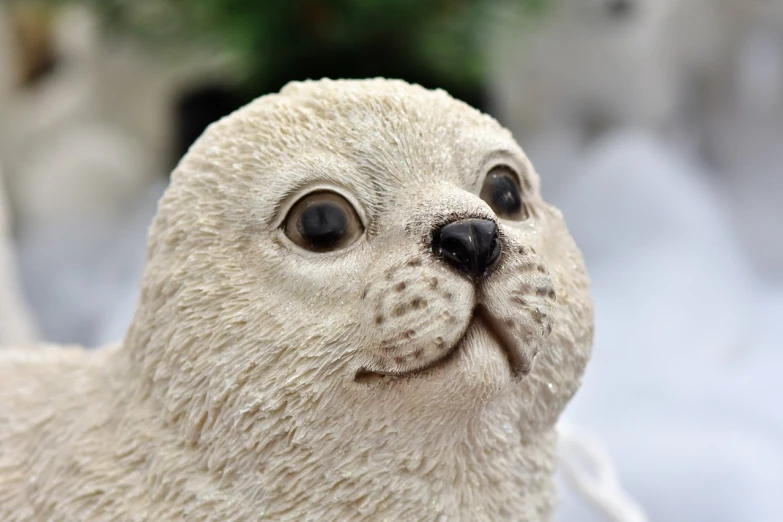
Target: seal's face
370,241
446,263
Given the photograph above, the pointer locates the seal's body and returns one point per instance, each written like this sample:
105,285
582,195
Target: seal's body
355,306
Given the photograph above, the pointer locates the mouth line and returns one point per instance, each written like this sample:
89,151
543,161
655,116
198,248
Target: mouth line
519,364
366,376
480,317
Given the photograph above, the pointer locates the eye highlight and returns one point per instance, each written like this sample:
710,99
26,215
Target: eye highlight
323,221
502,192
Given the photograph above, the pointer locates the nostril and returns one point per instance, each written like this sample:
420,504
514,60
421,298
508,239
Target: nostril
494,251
472,245
453,248
452,254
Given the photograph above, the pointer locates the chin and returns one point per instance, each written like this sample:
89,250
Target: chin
474,372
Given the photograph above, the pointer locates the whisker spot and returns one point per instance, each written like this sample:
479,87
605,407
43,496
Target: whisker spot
419,303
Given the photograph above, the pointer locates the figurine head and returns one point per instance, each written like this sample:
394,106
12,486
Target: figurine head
359,261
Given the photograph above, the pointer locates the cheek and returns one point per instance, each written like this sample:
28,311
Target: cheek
413,313
561,254
313,298
315,279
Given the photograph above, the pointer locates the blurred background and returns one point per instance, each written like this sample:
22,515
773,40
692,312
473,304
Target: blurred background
656,126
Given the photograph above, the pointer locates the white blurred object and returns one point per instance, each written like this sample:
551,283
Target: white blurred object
588,65
594,65
88,296
589,469
745,134
674,388
136,89
64,159
90,171
132,249
16,325
73,177
97,129
585,59
85,146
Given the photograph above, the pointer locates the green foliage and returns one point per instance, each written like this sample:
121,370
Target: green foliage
431,39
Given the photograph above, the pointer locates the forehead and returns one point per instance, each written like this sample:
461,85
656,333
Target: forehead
371,137
387,129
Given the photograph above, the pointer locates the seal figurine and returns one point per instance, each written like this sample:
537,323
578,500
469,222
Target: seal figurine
355,306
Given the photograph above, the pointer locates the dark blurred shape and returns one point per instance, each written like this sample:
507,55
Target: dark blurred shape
621,8
31,23
200,106
197,107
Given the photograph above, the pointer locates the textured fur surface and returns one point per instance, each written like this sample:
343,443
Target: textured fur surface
234,394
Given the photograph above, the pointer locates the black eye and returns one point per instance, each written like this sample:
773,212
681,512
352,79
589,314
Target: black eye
323,221
501,190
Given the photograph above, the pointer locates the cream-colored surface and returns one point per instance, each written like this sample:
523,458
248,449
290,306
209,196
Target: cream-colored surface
233,395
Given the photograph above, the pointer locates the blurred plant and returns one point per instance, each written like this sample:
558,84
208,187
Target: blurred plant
433,42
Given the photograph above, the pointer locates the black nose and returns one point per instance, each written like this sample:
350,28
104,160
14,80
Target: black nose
472,245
